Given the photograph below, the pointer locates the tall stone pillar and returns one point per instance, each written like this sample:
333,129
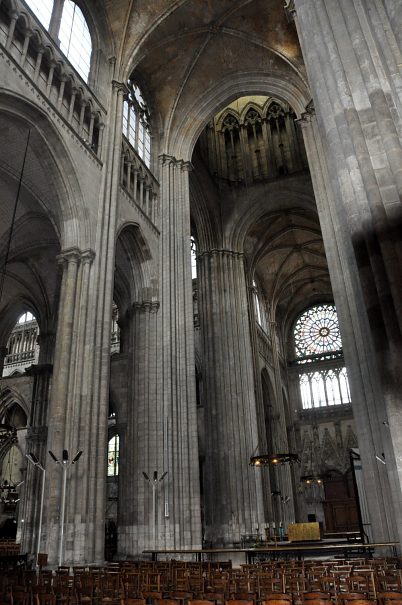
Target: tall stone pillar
179,439
233,494
354,146
36,440
284,500
70,423
141,441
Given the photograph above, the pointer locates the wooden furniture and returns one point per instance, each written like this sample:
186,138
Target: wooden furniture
304,532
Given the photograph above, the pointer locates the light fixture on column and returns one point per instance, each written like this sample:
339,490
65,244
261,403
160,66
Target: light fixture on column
154,484
33,459
64,464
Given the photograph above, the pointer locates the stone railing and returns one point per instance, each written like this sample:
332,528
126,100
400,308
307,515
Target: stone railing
29,49
140,184
264,344
20,358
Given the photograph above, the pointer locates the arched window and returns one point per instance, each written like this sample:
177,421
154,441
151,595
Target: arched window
42,9
317,332
113,457
75,39
136,123
259,309
72,31
317,339
193,257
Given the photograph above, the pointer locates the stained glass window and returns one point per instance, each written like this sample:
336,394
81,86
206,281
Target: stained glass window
317,338
317,331
113,457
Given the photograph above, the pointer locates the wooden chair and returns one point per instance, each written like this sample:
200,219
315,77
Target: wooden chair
45,598
389,598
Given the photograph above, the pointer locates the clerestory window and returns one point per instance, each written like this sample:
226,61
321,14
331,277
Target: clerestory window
136,123
70,29
113,457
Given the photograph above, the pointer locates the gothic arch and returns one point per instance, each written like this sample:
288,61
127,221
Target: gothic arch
135,272
49,160
182,140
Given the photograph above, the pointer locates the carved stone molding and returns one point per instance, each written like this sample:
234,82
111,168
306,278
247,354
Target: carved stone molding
75,255
219,252
169,159
145,307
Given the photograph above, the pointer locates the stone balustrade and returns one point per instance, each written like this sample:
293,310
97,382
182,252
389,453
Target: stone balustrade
25,42
139,182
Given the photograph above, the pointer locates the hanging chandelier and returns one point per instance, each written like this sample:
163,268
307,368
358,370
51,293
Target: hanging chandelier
274,459
8,433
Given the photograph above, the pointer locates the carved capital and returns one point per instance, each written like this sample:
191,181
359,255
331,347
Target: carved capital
307,116
145,306
166,159
120,87
216,252
70,255
87,256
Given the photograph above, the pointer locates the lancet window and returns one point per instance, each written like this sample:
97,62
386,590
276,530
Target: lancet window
252,139
259,307
136,123
231,132
318,348
113,457
70,29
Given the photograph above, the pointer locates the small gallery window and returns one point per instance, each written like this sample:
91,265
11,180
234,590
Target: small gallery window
113,457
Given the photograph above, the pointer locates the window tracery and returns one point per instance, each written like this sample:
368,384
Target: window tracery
136,123
317,339
317,331
253,139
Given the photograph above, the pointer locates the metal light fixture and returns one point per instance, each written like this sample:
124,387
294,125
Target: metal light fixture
154,484
8,433
33,459
274,459
65,464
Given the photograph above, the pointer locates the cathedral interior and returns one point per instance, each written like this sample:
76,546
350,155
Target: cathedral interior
200,268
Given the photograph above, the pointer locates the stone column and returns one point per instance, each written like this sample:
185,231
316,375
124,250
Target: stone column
280,436
233,494
141,443
359,352
177,379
